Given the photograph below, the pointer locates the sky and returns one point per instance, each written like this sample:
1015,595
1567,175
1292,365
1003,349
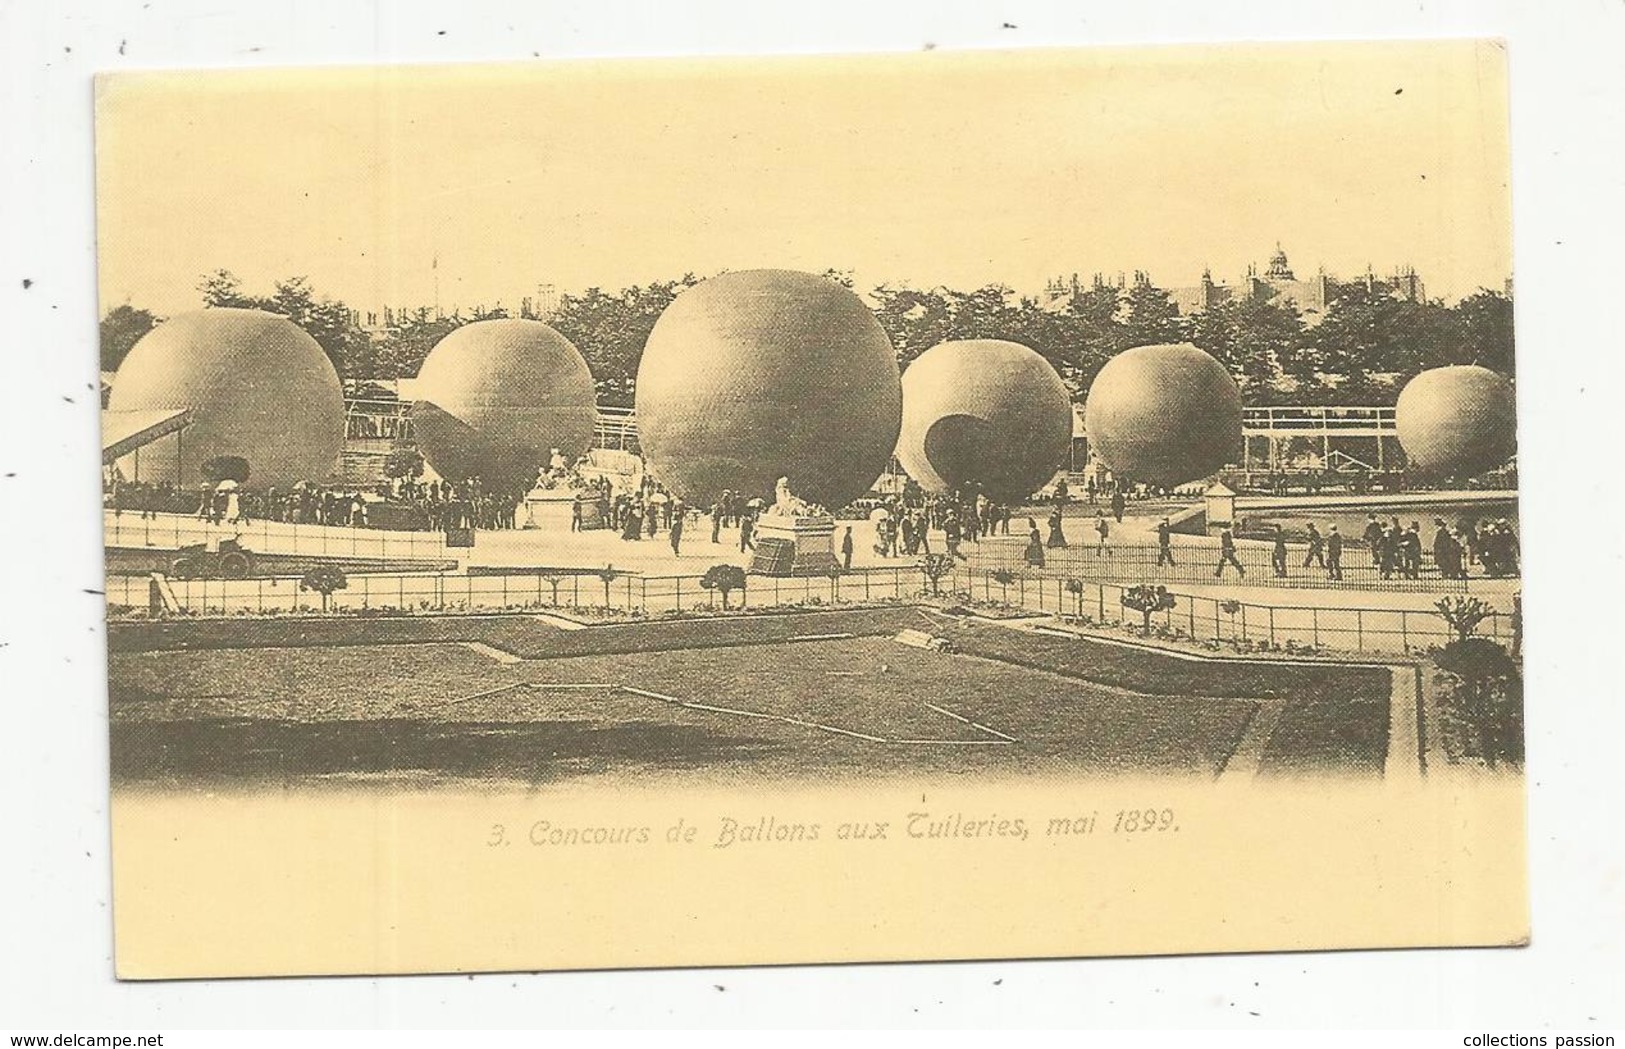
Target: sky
390,185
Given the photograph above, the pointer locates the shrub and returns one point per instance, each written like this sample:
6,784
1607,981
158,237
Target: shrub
324,579
724,579
934,567
1486,694
1463,614
1146,600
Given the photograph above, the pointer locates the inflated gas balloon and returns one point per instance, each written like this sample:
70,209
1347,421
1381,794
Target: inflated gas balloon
986,412
495,397
761,374
1457,421
1165,415
259,388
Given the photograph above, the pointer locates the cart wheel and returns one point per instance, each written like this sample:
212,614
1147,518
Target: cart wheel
182,568
233,566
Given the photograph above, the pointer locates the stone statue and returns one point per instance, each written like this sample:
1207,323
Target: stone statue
787,504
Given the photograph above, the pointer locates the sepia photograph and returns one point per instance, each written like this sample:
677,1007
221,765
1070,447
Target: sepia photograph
744,479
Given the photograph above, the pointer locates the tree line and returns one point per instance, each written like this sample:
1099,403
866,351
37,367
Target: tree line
1366,346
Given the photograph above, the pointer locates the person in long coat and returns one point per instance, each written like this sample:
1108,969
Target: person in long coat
1035,545
1056,540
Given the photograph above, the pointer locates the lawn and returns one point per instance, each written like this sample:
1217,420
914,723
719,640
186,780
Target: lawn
397,714
189,712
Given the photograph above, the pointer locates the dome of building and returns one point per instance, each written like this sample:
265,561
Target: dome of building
1164,415
1458,421
493,398
259,389
760,374
984,412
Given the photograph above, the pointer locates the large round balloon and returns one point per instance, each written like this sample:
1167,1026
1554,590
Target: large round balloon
1165,415
985,412
761,374
1457,421
493,398
259,388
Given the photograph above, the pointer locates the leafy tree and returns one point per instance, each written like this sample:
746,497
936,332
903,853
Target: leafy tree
915,320
1216,330
1484,321
1368,329
1146,600
324,579
724,579
934,567
328,321
611,329
1094,328
223,288
121,329
1268,334
1152,315
404,346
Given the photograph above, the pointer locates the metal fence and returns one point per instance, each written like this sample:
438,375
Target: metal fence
171,531
1134,563
1196,617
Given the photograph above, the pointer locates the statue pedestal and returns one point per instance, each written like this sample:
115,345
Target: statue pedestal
548,508
794,546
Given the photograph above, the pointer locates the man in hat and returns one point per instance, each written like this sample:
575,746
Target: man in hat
1445,555
1317,546
1278,553
1165,552
1227,553
1373,537
678,512
1334,553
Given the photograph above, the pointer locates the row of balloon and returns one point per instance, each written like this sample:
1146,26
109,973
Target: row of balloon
748,377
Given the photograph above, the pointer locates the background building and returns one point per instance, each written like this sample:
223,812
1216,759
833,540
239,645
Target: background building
1277,283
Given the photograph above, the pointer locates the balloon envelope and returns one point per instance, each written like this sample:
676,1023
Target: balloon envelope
494,398
1458,421
1165,414
760,374
987,412
260,389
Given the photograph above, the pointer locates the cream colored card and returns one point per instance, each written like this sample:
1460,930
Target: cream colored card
661,513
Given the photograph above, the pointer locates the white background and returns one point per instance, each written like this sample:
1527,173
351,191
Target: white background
55,941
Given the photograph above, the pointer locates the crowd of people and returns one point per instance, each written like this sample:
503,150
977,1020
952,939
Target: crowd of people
1397,550
904,522
638,511
907,524
404,504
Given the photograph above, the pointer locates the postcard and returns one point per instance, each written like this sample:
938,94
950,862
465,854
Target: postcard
650,513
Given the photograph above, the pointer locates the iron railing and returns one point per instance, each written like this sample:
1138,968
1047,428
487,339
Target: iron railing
1198,618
